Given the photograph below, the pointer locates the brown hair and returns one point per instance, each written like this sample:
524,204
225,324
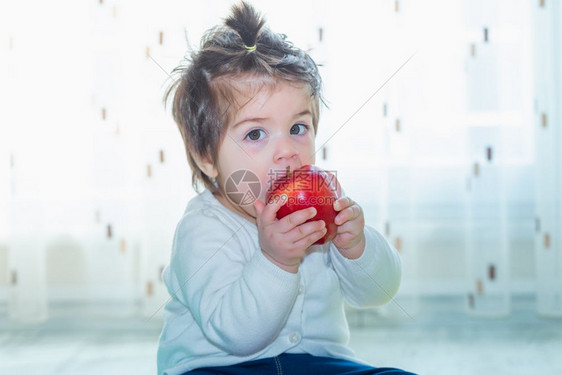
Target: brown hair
242,46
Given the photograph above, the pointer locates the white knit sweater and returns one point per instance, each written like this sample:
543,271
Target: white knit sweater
230,304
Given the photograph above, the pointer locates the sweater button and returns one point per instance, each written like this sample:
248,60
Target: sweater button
294,337
301,289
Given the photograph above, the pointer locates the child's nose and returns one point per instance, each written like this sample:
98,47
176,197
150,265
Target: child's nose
285,149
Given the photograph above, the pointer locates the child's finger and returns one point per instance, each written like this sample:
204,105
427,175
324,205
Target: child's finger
308,240
347,227
268,213
296,218
305,230
259,207
343,203
347,214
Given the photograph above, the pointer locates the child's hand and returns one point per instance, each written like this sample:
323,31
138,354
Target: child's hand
350,239
284,242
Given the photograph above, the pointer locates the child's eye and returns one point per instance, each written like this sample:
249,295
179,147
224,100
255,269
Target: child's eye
255,135
299,129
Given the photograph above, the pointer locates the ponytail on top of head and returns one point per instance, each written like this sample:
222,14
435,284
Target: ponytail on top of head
246,22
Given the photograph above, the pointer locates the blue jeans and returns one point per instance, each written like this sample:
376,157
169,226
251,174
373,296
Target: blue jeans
298,364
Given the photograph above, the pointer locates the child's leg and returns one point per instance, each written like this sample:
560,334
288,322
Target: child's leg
261,366
299,364
305,364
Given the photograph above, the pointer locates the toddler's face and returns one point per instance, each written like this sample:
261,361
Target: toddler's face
272,131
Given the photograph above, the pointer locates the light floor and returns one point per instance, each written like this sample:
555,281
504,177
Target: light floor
438,338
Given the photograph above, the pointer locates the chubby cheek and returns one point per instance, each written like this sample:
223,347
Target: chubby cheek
308,154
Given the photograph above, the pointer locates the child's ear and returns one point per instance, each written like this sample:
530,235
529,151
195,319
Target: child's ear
206,166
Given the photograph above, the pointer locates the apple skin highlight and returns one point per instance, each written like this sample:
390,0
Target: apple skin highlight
308,186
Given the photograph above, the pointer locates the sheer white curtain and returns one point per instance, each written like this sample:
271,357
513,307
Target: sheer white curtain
547,123
433,109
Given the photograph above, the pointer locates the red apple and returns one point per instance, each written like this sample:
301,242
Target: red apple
308,186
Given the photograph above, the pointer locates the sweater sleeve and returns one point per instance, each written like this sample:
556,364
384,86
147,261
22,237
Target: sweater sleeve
239,299
374,278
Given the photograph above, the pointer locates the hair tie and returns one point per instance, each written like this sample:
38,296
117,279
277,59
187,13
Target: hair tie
250,49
